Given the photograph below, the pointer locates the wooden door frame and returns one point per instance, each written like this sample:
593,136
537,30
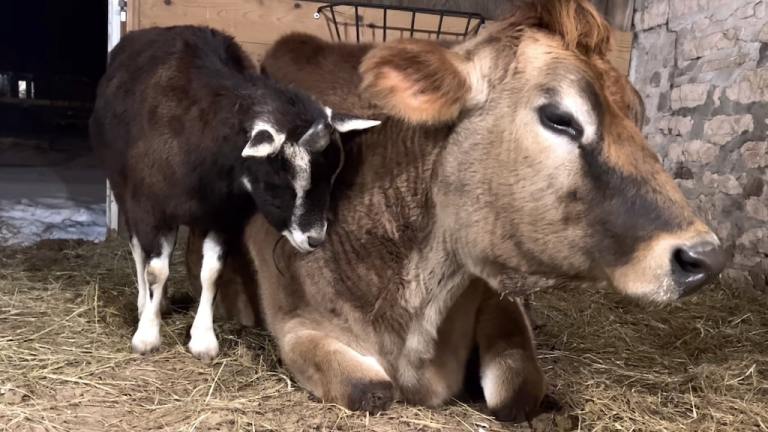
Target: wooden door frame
115,30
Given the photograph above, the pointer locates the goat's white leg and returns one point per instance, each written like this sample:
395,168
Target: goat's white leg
203,343
141,280
147,336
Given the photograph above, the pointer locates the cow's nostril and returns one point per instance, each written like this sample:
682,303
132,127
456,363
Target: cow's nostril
697,265
314,241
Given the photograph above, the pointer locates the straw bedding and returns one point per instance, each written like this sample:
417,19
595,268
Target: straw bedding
67,312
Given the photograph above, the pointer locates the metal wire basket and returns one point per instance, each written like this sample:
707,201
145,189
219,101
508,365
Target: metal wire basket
375,22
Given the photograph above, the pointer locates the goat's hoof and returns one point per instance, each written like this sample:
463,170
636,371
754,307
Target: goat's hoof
145,341
204,346
372,397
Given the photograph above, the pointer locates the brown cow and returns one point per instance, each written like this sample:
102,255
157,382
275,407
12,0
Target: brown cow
516,151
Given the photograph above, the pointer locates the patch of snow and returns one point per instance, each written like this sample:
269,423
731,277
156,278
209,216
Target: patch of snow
27,221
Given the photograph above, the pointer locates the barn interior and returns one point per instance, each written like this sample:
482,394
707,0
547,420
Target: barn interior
51,58
67,304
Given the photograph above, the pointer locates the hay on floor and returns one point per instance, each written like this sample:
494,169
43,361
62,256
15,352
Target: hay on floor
67,312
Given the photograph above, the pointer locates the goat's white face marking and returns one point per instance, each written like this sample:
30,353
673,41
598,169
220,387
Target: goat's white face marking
263,148
300,160
203,343
246,184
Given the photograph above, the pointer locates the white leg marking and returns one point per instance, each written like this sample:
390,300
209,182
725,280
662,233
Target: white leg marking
203,343
147,336
370,362
489,380
141,281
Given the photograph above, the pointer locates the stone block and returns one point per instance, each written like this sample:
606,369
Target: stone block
651,13
722,129
689,95
755,154
675,126
753,238
763,36
693,151
722,183
757,208
751,87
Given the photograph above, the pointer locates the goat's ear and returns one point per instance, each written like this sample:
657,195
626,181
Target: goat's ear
316,138
265,141
419,81
345,122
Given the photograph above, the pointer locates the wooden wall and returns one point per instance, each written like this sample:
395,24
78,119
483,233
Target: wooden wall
258,23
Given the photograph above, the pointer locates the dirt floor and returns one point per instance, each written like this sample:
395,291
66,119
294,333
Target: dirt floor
67,312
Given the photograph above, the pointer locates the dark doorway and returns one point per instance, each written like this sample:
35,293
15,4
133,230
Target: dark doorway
52,55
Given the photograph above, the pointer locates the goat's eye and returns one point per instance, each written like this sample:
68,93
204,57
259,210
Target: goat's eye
560,122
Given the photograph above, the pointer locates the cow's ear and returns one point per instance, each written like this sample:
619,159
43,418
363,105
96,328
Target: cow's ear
265,140
346,123
419,81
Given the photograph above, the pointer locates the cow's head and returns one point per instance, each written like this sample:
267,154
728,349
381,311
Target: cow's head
291,160
547,170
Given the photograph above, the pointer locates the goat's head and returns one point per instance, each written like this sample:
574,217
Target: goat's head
291,161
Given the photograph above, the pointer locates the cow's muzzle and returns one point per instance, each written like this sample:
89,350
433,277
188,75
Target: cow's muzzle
696,265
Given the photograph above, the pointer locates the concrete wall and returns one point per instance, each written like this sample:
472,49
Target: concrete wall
702,68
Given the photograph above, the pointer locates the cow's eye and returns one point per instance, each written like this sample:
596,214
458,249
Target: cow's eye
560,122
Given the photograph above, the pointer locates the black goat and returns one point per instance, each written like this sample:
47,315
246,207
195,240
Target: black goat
190,134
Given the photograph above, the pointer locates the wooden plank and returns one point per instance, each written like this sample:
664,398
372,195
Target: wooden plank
258,23
622,50
114,33
619,14
254,21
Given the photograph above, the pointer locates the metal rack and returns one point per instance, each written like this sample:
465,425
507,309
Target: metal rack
469,29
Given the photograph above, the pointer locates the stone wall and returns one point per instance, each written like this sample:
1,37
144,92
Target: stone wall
702,68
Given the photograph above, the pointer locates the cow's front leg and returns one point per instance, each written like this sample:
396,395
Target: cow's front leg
435,379
512,380
334,372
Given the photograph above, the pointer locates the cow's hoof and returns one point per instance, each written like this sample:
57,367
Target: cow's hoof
525,407
204,346
372,396
145,341
511,414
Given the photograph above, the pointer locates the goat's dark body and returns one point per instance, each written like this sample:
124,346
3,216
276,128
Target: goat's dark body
179,115
173,115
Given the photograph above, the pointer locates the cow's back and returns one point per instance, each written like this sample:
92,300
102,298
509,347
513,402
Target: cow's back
328,71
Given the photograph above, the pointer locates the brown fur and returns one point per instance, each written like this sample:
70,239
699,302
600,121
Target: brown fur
329,70
578,24
430,220
433,92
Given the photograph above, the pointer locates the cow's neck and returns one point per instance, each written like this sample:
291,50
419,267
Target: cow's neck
398,170
435,280
389,187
